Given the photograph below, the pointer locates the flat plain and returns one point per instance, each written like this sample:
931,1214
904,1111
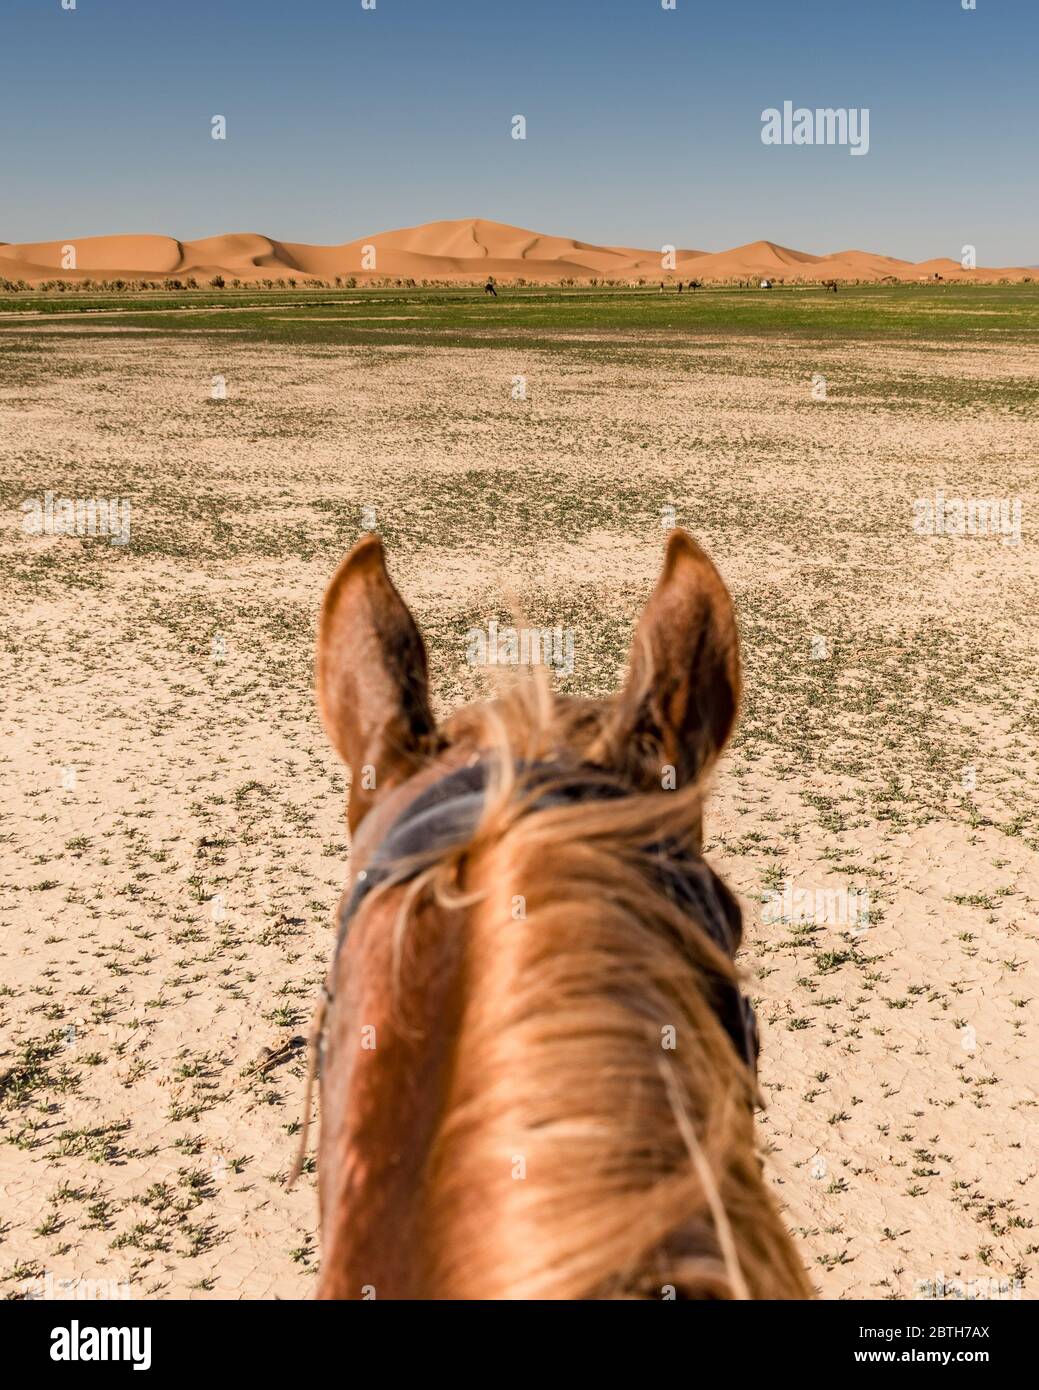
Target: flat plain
173,842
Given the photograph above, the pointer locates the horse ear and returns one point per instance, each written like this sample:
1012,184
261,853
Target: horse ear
679,703
372,678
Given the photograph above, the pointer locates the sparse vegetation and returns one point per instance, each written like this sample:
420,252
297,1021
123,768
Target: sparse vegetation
166,921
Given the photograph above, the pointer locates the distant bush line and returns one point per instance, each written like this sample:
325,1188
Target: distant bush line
350,282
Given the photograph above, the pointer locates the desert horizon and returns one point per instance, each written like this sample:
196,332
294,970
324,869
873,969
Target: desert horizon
459,250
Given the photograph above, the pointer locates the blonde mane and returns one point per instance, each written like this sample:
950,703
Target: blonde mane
593,1131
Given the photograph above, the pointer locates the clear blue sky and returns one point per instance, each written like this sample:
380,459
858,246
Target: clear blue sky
644,125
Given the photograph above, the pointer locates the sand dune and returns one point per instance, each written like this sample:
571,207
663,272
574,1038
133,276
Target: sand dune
469,249
863,265
756,258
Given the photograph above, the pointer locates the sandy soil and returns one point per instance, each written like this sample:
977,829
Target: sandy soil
173,840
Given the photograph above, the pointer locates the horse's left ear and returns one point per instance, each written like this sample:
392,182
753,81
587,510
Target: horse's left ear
679,703
372,678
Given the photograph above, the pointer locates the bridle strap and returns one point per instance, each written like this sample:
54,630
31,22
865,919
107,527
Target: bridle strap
445,817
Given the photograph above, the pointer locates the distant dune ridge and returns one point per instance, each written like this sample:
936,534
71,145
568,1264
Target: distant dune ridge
466,250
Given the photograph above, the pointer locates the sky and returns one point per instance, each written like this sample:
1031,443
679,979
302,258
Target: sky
643,124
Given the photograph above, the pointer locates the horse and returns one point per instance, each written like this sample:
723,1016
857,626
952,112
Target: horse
534,1082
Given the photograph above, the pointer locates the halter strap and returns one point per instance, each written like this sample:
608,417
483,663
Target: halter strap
446,815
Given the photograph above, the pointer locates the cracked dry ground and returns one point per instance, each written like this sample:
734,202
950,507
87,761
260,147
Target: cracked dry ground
173,841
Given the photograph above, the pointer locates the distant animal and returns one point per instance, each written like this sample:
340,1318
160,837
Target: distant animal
537,1066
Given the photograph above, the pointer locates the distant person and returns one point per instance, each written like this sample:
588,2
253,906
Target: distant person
679,287
489,289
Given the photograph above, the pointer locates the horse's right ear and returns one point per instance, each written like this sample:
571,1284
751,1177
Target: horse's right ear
372,678
679,703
